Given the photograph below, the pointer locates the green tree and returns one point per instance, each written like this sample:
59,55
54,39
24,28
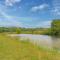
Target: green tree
55,27
18,30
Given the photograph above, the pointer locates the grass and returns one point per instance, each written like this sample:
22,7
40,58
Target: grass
12,48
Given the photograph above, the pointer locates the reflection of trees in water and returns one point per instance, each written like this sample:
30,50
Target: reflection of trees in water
56,42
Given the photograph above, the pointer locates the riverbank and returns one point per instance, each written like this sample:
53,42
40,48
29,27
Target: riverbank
40,40
11,48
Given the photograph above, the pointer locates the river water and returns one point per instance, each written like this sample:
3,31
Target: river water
42,40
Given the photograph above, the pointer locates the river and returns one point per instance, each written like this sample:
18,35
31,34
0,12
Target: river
42,40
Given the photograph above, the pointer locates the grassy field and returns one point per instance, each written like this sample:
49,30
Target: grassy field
12,48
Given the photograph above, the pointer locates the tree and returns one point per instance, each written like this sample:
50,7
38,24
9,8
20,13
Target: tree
18,30
55,27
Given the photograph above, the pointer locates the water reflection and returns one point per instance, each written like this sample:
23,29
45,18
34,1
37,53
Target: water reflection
42,40
56,42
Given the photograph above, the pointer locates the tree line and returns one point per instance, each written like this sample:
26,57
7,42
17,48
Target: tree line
55,27
53,30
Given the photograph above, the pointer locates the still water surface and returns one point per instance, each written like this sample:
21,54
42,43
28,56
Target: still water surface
42,40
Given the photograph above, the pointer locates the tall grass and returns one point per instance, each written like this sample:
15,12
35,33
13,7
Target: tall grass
12,48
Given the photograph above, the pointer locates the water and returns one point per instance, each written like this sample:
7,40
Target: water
42,40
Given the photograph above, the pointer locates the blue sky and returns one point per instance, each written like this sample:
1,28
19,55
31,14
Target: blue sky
29,13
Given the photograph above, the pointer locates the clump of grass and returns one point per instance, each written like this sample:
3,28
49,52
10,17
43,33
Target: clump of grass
11,48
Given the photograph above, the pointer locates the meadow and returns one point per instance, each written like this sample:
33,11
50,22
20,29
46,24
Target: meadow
12,48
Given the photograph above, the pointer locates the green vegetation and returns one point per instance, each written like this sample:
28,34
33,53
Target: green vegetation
53,30
12,48
55,27
19,30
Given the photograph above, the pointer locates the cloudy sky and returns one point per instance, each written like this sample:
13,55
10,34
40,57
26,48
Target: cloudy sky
29,13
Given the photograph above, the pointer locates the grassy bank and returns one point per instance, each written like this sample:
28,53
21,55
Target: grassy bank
11,48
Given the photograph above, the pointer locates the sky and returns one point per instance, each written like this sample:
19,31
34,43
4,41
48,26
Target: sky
29,13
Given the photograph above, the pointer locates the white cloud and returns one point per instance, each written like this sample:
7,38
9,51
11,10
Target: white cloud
11,2
56,11
56,7
9,20
40,7
43,24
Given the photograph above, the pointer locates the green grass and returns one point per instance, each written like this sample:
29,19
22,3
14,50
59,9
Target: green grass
11,48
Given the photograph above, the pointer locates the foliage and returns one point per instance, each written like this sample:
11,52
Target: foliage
55,27
18,31
53,30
